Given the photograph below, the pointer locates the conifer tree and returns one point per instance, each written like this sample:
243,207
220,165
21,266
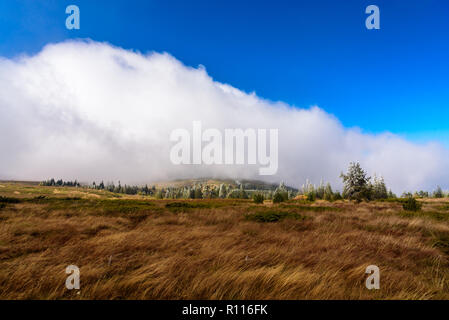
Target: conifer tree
356,183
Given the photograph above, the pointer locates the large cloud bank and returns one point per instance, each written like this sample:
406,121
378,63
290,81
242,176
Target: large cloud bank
90,111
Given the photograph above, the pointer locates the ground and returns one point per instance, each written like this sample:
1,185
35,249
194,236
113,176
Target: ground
140,248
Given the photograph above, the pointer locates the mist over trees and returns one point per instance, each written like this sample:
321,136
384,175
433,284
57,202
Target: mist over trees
357,186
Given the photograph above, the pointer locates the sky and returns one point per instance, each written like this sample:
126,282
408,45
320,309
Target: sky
378,96
301,52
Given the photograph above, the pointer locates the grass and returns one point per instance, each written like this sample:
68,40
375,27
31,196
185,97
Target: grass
435,215
135,247
441,240
273,216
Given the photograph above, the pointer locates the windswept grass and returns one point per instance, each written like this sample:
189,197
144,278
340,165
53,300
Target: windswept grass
140,248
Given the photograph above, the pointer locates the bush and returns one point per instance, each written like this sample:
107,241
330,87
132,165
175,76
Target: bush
258,198
237,194
277,198
273,216
438,193
411,204
9,200
178,205
337,196
311,196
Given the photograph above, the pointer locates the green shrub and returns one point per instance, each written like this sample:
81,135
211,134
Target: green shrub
411,204
258,198
9,200
178,205
278,198
273,216
311,196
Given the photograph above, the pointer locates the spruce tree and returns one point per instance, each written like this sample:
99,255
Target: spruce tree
356,183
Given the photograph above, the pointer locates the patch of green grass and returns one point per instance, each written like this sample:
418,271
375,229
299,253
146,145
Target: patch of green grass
436,215
300,201
180,206
303,208
185,205
60,203
124,206
97,206
9,200
273,216
393,200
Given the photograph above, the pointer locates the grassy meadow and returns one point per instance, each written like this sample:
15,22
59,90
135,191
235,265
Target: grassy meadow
136,247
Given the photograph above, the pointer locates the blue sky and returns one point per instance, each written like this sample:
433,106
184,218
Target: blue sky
300,52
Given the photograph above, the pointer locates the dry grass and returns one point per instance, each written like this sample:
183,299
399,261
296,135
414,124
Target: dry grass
145,249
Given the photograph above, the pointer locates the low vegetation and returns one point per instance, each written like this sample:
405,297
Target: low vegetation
258,198
410,204
141,247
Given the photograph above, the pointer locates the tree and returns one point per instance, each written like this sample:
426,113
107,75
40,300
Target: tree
422,194
306,187
356,183
328,194
198,193
282,191
242,192
310,193
438,193
391,195
222,191
277,198
379,189
319,192
337,196
159,195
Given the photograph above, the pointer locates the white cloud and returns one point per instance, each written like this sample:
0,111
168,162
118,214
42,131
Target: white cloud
90,111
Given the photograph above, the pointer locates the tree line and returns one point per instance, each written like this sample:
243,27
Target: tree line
357,185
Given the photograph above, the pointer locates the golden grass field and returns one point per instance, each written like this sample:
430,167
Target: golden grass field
140,248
